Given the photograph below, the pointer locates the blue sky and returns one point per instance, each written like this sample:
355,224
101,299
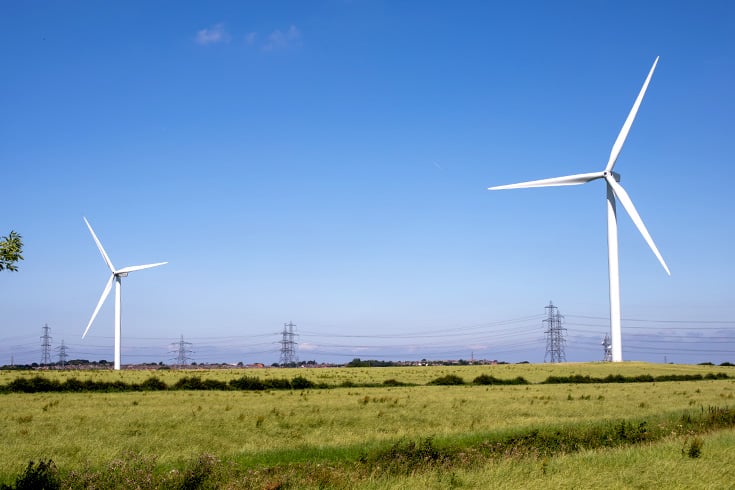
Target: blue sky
327,163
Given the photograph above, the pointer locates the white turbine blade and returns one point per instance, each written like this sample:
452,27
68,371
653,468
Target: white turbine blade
134,268
618,146
630,208
99,246
553,182
106,291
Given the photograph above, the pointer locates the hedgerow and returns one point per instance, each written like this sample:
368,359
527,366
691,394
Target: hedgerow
642,378
486,379
40,384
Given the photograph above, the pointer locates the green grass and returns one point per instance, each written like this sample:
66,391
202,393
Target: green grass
334,427
658,465
534,373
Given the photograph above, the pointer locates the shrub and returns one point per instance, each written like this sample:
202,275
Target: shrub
195,477
301,383
695,448
247,383
36,384
190,383
486,379
278,384
447,380
41,476
214,384
153,384
393,382
407,457
73,385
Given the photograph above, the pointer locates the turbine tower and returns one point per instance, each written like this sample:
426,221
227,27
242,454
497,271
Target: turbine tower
117,275
614,190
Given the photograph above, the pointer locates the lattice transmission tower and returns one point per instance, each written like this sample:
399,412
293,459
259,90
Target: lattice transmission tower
63,356
46,346
555,333
607,348
288,345
182,350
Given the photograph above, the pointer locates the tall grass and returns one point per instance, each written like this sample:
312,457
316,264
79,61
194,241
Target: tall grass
449,463
172,430
79,429
534,373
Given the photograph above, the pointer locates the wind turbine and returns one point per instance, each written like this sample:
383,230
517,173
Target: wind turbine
117,275
614,190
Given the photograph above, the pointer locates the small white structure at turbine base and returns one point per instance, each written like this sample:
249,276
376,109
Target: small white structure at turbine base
615,192
117,275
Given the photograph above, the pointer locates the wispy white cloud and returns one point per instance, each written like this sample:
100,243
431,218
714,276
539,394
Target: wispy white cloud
213,35
276,40
282,40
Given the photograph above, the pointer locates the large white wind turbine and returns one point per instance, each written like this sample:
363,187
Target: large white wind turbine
614,190
117,275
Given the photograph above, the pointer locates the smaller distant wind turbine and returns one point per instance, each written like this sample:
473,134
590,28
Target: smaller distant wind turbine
117,275
614,190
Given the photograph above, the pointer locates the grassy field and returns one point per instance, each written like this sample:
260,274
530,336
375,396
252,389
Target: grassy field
336,426
534,373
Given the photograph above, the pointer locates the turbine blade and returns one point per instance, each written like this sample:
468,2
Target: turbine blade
134,268
630,208
106,291
618,146
99,246
553,182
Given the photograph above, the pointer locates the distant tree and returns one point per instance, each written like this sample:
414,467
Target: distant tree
11,247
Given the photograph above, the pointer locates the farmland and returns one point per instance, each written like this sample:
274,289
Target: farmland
280,428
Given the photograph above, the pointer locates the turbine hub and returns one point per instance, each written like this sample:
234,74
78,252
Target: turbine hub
614,175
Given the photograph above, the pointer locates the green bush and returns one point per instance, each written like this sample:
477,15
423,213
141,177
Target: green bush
447,380
408,456
189,383
486,379
153,384
301,383
36,384
247,383
278,384
41,476
695,448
